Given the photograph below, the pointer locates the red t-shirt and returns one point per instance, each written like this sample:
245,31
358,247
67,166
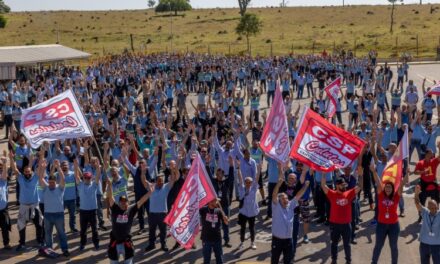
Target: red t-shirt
340,206
387,209
429,169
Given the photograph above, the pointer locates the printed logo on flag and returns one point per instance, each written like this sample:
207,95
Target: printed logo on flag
57,118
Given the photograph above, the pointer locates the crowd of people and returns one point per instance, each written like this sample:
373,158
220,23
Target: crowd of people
148,130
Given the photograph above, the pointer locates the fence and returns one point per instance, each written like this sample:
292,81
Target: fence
388,47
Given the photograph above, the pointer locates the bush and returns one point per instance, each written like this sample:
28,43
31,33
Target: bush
3,21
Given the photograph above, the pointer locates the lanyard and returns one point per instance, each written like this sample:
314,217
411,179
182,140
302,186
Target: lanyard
431,222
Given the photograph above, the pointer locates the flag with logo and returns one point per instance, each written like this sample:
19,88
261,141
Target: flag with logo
184,216
333,90
435,90
394,169
323,146
57,118
275,139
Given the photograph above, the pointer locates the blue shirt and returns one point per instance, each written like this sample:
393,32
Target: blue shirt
427,220
28,189
53,199
158,199
69,186
282,219
87,196
3,194
250,205
272,170
119,188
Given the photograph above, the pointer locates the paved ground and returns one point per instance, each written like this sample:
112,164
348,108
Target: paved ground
318,251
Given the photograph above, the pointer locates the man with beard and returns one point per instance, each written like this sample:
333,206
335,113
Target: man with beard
29,209
340,214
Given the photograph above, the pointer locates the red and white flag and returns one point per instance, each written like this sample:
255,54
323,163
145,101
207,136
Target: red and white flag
275,139
184,216
333,90
435,90
394,168
323,146
57,118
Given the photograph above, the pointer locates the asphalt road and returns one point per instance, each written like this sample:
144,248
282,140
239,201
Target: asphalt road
317,251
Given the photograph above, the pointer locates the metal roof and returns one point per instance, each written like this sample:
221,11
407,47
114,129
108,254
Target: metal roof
25,55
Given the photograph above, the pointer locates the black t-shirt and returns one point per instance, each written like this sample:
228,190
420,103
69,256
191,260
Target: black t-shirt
211,223
122,222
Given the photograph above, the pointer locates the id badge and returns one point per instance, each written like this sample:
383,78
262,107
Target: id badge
220,194
213,224
431,234
387,216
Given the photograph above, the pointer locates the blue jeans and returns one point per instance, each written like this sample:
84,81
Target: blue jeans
71,207
99,211
382,231
300,91
270,188
57,220
279,246
429,251
121,251
208,247
295,234
416,144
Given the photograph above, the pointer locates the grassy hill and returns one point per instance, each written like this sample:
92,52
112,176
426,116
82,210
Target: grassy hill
297,29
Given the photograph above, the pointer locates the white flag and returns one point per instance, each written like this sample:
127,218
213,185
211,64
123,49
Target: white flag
57,118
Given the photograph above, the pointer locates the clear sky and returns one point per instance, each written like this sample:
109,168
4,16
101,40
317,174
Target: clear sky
36,5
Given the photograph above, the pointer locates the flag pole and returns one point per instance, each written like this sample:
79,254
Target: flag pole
88,125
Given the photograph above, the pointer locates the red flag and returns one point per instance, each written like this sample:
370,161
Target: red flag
196,192
323,146
333,90
275,139
393,169
435,90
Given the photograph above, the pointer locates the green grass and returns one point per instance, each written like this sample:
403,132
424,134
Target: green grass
212,30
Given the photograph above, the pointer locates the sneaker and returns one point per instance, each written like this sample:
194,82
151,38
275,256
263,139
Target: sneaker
8,247
402,214
372,207
20,247
74,230
227,245
241,246
306,240
354,242
264,202
253,246
164,248
66,253
140,232
96,246
194,246
149,248
81,247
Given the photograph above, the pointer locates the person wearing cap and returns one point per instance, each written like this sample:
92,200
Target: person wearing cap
248,208
282,220
430,230
211,217
53,194
88,204
341,214
387,218
122,215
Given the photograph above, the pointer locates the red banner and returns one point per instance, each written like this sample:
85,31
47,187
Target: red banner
435,90
323,146
333,90
196,192
275,139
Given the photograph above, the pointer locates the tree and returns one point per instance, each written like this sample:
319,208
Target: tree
3,21
393,2
173,5
284,3
4,8
151,3
243,4
249,25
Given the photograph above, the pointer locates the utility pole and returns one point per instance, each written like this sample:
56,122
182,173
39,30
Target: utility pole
58,33
171,22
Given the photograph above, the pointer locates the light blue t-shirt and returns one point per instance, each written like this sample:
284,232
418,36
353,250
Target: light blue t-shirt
53,200
282,219
272,170
70,186
430,224
158,199
28,189
87,196
250,205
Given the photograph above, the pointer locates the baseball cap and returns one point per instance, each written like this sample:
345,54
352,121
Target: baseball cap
87,175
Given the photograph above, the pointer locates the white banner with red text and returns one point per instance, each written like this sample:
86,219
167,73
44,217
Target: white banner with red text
55,119
196,192
333,90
